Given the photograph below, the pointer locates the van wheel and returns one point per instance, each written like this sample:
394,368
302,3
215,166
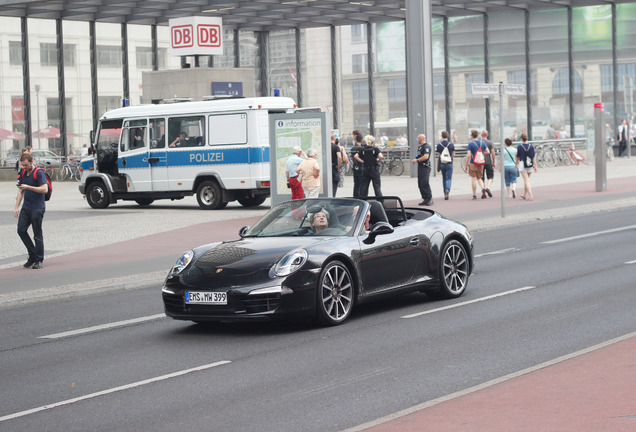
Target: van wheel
251,201
97,196
210,196
144,201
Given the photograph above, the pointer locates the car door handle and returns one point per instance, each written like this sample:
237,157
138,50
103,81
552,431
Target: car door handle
415,241
153,160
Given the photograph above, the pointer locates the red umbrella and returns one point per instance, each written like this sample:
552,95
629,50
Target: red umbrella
6,134
52,132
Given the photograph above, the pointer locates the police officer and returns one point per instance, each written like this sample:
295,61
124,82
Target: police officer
369,156
357,166
423,161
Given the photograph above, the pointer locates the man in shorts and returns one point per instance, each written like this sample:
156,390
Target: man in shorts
476,172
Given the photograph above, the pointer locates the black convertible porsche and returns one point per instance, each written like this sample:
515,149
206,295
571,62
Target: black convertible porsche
319,258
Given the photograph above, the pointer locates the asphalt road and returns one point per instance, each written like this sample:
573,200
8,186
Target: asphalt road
540,291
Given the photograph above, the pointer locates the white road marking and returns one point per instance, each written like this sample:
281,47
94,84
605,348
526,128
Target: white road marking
469,302
631,262
111,391
102,327
499,252
593,234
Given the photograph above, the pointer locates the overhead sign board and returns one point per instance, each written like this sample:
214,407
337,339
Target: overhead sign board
196,36
227,89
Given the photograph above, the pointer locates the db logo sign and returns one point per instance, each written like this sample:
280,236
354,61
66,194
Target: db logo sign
209,35
182,36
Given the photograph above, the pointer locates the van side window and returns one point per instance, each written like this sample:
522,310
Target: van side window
228,129
193,127
157,129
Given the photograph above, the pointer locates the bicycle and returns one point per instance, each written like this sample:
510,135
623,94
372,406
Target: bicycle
394,165
69,170
610,148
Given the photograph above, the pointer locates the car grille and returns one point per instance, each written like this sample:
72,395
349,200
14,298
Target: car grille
237,304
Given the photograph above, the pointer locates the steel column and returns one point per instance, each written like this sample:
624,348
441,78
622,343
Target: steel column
571,70
528,76
299,70
93,66
61,89
26,81
447,80
370,79
487,73
124,60
334,77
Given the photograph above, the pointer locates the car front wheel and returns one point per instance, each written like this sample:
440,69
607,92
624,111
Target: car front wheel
335,294
453,272
97,195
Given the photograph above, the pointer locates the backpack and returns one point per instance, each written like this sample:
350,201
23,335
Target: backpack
527,160
479,158
47,195
445,156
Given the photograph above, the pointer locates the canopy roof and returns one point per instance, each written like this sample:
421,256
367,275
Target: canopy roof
261,15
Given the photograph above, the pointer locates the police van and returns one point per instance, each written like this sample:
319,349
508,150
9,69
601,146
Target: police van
217,150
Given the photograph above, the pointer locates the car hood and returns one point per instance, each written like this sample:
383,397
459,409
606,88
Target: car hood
246,261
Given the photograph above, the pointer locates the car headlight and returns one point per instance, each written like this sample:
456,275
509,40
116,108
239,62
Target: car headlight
182,263
290,262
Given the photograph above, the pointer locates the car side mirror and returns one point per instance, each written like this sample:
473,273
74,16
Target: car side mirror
379,228
244,230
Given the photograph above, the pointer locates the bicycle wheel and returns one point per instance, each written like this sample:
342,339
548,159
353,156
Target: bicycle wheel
63,174
77,175
464,163
396,167
550,158
381,166
565,157
610,153
540,155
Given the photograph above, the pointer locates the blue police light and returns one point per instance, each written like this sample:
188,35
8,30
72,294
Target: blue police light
276,92
125,102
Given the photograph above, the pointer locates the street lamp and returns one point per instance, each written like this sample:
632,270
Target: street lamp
37,101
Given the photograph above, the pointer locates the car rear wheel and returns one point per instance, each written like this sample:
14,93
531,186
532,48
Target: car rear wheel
453,271
335,294
251,201
97,195
144,201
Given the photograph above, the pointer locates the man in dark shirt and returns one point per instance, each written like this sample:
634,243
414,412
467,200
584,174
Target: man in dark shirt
369,157
32,186
423,161
357,166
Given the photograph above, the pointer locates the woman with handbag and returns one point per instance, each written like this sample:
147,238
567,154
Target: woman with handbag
526,162
445,155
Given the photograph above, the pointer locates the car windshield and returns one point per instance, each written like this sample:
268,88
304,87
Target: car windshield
310,217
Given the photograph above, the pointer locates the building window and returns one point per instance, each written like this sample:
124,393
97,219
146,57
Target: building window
397,90
360,93
108,56
561,82
439,87
519,77
359,63
144,58
607,76
48,54
15,52
358,33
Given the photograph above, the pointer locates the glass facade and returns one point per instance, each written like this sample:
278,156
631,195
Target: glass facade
568,54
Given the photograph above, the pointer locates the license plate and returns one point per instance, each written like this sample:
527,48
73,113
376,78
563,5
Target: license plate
217,298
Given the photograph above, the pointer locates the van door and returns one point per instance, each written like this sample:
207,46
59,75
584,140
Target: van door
133,156
157,158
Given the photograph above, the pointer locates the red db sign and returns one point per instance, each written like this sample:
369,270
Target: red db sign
182,36
209,35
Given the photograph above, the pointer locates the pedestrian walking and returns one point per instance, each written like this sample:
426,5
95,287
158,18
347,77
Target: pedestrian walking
32,186
623,138
344,167
27,149
336,162
290,172
510,170
357,166
369,156
490,165
423,161
475,158
446,155
526,162
309,170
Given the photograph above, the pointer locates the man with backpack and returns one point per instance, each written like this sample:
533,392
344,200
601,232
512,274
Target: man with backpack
476,161
32,187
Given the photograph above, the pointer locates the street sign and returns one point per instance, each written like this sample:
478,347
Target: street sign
485,89
515,89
